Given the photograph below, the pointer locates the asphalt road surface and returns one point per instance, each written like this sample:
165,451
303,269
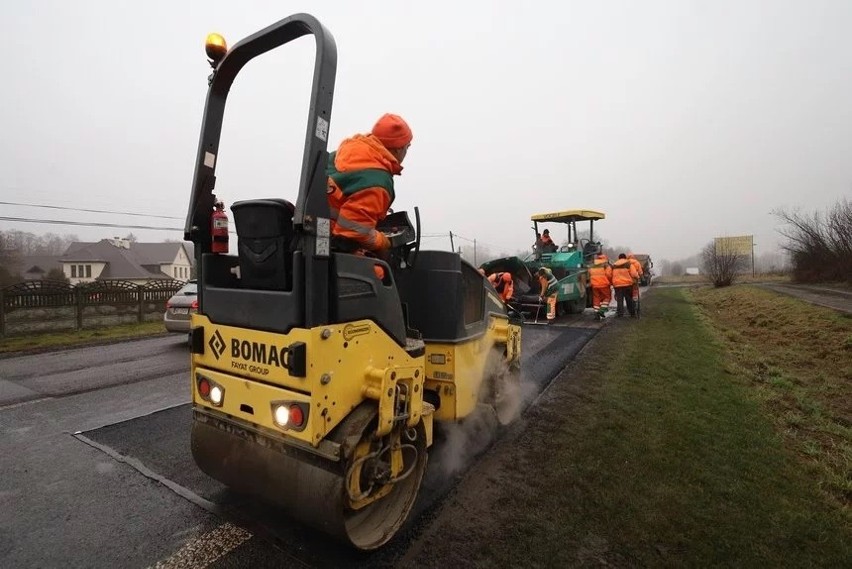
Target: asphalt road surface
828,297
96,469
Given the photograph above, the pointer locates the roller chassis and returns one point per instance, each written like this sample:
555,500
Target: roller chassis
316,383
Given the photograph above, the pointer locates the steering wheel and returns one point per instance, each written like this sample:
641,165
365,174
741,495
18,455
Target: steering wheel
404,238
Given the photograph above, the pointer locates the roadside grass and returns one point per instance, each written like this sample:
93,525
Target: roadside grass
653,449
797,360
72,338
702,279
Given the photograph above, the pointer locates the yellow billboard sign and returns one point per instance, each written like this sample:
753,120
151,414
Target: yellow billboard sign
740,245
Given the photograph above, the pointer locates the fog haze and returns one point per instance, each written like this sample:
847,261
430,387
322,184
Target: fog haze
682,121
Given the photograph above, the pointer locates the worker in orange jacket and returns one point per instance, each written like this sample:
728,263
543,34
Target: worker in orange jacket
624,276
360,185
547,244
503,284
638,266
600,277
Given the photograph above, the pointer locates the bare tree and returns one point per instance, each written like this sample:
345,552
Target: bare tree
721,262
10,259
820,244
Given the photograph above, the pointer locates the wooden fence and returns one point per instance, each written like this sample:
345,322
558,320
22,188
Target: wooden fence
44,306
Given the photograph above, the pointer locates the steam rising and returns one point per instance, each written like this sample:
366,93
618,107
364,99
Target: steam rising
458,444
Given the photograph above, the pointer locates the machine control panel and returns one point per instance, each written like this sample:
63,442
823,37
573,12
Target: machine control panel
398,229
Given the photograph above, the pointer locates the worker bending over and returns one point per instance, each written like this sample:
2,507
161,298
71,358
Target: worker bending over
503,284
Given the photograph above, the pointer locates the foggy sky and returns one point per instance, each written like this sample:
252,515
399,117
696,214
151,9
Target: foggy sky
682,121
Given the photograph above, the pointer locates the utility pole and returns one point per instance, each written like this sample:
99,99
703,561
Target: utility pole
753,245
452,247
474,252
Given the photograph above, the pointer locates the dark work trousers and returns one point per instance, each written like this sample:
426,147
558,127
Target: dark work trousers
622,294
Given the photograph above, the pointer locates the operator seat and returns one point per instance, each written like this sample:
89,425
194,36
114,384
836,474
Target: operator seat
264,229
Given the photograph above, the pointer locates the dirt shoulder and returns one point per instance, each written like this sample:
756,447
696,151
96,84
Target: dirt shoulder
461,532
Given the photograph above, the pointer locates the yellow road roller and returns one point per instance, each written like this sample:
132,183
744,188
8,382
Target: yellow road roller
316,382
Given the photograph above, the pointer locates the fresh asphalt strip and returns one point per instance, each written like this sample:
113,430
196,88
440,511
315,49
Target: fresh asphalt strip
157,446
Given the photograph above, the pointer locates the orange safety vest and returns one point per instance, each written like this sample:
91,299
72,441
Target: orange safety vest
623,273
503,284
360,190
600,274
636,265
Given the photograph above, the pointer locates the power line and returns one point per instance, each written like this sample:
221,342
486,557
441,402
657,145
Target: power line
89,210
87,224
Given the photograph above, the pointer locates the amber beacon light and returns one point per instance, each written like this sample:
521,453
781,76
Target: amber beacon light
216,48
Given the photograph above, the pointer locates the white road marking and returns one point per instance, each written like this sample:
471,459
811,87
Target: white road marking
206,549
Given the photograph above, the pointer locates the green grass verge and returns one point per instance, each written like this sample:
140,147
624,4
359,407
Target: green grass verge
796,359
651,450
56,340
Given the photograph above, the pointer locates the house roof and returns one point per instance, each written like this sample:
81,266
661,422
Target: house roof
40,263
141,260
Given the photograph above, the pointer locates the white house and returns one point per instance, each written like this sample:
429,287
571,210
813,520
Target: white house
120,259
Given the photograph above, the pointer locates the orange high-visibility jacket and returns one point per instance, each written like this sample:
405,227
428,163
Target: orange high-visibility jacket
502,283
360,190
636,264
623,273
600,274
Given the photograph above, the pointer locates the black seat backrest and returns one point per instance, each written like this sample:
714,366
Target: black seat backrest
590,249
264,229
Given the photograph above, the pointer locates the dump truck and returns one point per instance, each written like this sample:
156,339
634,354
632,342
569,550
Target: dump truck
317,381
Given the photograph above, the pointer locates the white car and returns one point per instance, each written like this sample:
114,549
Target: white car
180,307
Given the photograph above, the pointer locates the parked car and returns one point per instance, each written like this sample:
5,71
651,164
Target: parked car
180,307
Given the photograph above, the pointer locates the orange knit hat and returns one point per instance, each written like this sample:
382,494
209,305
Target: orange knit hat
392,131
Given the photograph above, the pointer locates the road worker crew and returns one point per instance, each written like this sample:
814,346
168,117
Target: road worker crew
600,277
548,290
624,276
360,185
503,284
638,266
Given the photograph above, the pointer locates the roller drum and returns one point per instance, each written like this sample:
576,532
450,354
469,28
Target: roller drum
311,488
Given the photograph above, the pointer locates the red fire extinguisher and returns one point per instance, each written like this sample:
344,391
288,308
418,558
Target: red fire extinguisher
219,228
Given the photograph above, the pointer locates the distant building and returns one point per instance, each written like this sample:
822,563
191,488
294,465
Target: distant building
36,267
692,271
121,259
